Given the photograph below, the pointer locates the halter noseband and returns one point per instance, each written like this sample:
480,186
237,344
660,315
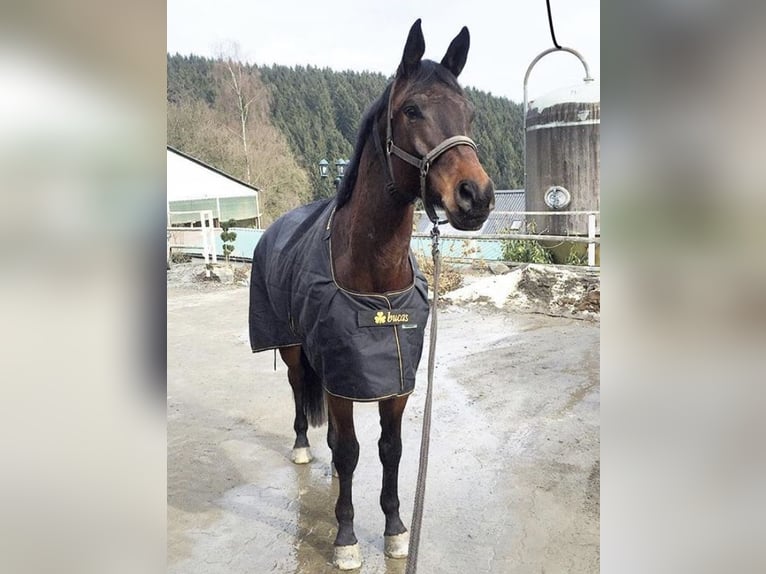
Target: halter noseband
423,164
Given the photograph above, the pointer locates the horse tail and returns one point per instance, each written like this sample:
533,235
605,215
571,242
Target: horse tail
313,394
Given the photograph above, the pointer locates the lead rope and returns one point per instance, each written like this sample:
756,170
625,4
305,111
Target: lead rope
420,489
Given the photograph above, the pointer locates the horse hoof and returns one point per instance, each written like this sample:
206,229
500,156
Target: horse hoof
397,546
347,557
302,455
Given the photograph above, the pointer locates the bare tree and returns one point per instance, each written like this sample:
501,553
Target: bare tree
240,90
239,84
236,135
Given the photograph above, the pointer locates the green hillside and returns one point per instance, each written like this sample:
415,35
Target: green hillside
270,125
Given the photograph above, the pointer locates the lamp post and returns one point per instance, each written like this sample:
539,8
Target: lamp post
340,168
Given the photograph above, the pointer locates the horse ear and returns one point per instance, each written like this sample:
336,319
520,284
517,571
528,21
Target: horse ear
413,50
454,59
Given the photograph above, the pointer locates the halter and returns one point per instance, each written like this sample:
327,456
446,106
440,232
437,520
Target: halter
422,164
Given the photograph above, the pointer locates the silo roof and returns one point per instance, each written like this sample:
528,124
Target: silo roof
584,93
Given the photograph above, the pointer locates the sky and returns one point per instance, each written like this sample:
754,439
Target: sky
362,35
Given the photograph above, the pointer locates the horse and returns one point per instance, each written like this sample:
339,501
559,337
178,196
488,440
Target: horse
335,287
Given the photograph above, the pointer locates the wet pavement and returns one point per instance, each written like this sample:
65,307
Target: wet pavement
513,482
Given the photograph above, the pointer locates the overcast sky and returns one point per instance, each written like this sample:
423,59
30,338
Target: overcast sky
363,35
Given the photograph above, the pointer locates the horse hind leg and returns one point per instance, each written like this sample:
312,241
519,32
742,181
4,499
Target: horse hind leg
396,537
309,402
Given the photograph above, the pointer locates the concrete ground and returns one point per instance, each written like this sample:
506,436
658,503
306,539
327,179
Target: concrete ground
513,483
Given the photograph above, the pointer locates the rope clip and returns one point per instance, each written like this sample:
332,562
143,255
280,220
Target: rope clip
435,238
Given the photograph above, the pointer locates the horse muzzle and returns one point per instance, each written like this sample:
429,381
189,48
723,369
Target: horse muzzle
474,202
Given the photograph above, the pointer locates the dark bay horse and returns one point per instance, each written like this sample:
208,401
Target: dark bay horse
335,287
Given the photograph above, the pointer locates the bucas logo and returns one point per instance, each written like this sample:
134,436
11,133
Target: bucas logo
392,317
389,318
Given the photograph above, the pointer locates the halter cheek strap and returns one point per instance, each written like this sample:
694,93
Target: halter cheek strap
422,164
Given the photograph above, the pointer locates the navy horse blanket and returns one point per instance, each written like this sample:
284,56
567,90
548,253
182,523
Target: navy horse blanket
363,346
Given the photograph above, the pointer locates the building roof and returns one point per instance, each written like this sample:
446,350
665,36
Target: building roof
497,222
191,179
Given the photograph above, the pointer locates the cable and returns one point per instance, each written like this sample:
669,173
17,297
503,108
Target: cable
550,23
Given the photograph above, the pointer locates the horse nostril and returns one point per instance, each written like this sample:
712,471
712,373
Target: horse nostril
467,192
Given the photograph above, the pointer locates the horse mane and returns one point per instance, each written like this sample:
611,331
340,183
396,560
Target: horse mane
427,73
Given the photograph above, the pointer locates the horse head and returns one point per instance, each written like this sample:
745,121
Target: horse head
429,124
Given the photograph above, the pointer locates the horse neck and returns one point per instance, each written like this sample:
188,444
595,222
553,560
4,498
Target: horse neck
372,232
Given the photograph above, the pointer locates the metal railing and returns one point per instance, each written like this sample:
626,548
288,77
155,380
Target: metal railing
593,237
178,237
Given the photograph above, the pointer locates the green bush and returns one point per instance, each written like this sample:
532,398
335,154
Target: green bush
577,256
525,251
228,238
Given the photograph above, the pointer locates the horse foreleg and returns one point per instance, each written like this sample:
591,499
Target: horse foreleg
390,449
331,442
345,455
295,374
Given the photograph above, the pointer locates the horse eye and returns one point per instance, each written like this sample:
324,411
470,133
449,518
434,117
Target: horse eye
412,112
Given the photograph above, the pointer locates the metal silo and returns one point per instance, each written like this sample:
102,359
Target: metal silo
562,154
563,157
